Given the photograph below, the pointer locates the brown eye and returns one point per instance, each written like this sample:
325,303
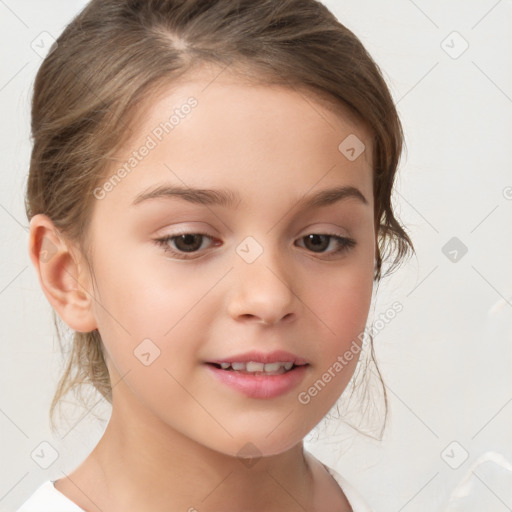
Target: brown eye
183,244
317,243
189,242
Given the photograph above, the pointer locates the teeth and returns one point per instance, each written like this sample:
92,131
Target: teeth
270,367
254,367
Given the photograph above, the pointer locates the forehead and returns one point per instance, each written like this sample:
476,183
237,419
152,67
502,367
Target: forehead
234,89
238,127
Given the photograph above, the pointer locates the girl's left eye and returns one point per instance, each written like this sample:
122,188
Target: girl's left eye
317,243
186,245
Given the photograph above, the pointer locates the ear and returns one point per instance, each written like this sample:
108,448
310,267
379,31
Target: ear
65,282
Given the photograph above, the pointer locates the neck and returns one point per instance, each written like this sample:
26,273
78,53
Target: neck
145,464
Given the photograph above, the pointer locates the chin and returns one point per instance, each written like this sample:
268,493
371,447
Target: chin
258,445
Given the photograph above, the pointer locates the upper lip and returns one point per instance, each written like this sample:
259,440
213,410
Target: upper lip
262,357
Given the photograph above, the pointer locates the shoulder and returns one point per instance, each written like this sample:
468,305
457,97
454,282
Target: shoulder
356,501
47,498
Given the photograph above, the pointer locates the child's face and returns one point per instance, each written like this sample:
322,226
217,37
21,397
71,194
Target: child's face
255,283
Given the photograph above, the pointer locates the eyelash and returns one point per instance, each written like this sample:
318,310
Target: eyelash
345,244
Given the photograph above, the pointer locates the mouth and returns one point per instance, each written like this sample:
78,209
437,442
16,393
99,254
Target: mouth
259,375
258,368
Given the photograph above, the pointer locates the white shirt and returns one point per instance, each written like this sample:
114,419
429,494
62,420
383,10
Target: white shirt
48,499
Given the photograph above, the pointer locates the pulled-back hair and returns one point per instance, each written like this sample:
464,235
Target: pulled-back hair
116,53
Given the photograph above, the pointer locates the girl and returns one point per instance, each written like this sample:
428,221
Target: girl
210,206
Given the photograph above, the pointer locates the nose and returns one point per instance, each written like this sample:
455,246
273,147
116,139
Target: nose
262,292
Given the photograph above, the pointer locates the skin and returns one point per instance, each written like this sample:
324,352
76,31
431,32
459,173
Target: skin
175,431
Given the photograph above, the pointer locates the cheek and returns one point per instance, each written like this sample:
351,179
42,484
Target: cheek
142,310
343,301
144,296
347,313
148,322
148,305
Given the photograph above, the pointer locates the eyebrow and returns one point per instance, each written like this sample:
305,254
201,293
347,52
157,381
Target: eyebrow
229,198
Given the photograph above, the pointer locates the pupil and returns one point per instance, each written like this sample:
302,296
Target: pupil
189,240
318,241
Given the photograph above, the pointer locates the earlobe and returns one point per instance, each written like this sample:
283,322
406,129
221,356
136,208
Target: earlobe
65,284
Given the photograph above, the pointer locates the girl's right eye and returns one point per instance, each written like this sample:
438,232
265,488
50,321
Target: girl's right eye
183,243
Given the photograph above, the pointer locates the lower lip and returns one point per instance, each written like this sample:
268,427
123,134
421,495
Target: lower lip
260,386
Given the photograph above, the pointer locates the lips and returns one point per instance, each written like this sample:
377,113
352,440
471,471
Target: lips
260,375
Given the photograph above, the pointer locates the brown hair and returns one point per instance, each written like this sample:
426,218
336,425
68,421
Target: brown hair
116,53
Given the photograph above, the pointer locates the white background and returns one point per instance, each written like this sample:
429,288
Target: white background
446,358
